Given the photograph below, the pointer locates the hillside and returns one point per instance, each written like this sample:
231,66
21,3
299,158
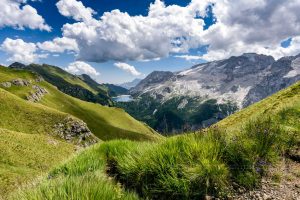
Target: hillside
105,122
24,157
30,142
75,86
41,127
224,162
284,105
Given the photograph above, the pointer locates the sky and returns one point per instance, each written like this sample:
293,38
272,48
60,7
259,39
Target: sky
116,41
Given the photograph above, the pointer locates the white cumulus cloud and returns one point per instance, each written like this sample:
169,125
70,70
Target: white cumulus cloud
240,26
80,67
20,51
15,15
189,57
75,9
128,68
119,36
59,45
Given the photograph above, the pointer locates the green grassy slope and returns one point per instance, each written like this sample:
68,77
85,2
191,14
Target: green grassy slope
27,147
105,122
23,157
83,177
211,162
284,106
22,116
71,84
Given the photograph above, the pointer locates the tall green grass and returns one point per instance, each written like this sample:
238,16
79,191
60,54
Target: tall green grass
82,178
190,166
193,166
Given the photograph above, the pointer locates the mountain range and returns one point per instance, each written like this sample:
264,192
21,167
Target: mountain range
131,84
58,141
243,80
207,92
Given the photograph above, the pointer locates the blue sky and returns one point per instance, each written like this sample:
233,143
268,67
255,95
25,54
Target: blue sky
108,72
88,36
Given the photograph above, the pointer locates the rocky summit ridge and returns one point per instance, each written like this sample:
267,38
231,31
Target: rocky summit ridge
243,80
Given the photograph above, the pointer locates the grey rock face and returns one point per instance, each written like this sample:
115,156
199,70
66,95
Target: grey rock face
75,131
5,84
243,79
37,94
156,77
39,79
20,82
282,74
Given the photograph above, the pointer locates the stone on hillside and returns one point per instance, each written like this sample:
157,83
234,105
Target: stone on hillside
75,131
6,84
37,95
20,82
39,79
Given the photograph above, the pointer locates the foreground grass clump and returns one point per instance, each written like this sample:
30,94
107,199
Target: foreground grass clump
193,166
83,177
250,153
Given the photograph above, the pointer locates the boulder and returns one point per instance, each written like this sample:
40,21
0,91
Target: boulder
6,84
75,131
20,82
37,94
39,79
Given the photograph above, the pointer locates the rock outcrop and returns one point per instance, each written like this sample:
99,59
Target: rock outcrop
5,84
39,79
37,94
20,82
75,131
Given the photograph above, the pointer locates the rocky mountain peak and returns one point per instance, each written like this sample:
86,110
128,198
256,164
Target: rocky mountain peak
241,79
156,77
17,65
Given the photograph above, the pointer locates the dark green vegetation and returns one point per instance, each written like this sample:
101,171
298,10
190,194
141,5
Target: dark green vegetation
115,90
29,144
179,114
214,162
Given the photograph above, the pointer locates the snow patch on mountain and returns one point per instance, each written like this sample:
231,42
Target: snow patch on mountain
242,80
296,69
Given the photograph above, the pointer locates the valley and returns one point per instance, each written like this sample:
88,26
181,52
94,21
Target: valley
149,100
70,147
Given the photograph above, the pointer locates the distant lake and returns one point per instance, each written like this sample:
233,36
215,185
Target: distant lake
123,98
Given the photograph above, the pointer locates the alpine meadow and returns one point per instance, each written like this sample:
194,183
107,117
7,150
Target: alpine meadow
151,99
